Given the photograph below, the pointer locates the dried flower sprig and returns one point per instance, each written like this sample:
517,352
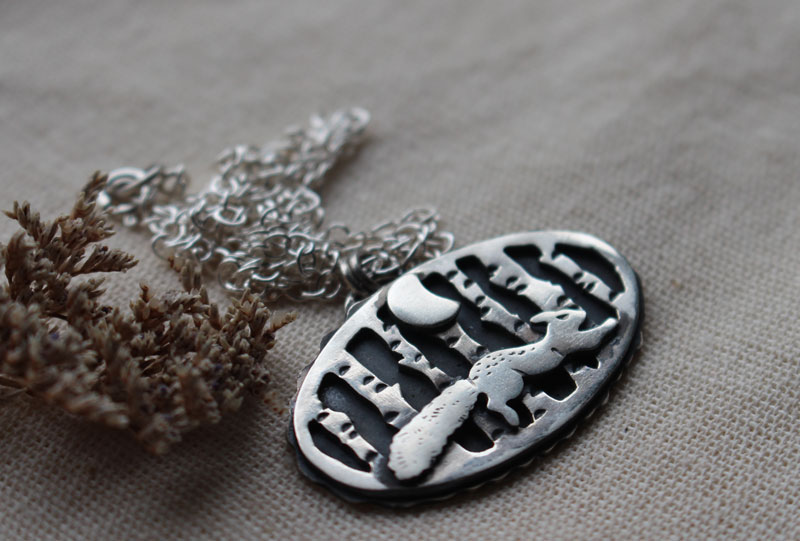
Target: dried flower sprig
169,364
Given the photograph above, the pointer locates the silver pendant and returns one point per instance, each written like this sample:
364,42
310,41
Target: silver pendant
467,366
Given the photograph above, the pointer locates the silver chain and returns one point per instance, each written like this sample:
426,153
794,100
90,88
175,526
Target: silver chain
259,223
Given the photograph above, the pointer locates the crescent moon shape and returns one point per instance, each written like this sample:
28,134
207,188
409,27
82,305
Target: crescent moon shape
414,304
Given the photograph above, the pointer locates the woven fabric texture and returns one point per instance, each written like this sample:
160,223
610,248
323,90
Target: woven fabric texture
669,129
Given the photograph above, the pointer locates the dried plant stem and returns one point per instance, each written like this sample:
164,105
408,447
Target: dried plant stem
170,363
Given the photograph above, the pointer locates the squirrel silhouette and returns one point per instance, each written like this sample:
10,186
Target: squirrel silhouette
499,376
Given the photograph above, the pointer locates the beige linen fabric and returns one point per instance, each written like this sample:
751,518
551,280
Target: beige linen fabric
669,129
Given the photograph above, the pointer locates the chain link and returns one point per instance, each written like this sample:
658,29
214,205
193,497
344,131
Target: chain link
259,225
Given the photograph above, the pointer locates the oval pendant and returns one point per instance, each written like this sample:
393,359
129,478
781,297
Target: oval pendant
466,366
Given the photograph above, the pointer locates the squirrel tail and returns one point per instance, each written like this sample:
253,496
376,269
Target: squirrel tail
417,445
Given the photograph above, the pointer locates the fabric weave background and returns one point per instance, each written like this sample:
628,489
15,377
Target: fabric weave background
669,129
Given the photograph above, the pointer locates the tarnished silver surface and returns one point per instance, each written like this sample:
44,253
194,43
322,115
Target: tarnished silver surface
259,223
398,410
497,376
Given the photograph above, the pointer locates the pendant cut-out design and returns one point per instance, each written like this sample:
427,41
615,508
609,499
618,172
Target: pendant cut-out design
469,365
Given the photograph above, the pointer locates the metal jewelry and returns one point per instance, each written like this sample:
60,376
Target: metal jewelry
452,367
